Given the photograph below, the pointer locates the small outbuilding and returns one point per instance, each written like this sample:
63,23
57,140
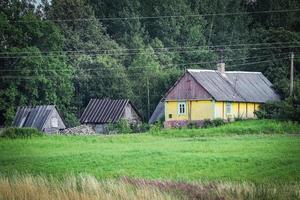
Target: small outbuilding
44,118
101,112
159,113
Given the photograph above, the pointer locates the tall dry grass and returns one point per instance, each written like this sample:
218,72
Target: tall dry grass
225,190
75,188
20,187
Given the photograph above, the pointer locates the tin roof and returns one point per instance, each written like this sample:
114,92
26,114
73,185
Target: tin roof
235,85
104,110
253,87
158,113
34,117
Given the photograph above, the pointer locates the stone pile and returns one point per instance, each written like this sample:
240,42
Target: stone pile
79,130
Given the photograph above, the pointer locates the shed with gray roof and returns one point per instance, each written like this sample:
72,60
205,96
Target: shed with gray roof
100,112
44,118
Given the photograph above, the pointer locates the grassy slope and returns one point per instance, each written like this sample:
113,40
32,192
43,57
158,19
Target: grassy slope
259,158
237,128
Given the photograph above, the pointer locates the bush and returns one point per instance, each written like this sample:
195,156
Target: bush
123,126
192,125
218,122
288,109
207,123
20,132
156,127
270,110
140,127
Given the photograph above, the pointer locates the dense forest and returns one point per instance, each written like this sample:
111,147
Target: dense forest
65,52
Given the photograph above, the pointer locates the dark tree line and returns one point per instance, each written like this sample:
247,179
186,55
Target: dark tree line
65,52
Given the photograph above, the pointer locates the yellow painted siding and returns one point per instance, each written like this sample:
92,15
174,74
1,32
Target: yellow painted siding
171,108
257,106
219,110
201,110
243,110
235,110
250,112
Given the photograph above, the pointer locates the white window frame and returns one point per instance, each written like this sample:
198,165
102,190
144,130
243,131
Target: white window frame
228,105
181,105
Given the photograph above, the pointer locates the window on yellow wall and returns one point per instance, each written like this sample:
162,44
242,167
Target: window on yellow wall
228,108
181,108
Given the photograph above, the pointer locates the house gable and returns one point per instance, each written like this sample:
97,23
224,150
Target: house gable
131,114
53,122
187,88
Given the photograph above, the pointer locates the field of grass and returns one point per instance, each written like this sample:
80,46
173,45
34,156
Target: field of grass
228,153
237,128
20,187
255,159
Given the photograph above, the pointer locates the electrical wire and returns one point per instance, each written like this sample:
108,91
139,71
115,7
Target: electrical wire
132,68
144,53
106,77
156,17
161,48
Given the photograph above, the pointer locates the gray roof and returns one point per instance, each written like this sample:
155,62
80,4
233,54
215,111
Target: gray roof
34,117
235,85
158,113
104,110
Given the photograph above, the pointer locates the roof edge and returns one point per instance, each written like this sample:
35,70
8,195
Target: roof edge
211,70
243,72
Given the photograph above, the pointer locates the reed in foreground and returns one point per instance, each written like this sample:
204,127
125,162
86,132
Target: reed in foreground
87,188
71,187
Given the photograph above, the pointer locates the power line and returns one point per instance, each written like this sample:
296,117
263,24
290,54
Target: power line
146,53
259,62
106,77
155,17
159,48
132,68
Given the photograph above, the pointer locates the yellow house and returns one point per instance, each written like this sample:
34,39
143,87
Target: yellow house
209,94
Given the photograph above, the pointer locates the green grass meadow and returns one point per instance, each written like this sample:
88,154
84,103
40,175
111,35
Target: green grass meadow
258,151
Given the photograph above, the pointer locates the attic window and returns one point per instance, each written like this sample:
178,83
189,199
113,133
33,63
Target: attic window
181,108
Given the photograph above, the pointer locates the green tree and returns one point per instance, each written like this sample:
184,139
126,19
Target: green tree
89,47
32,72
101,77
151,75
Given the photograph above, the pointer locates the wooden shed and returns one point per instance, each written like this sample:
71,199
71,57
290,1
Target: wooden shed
100,112
44,118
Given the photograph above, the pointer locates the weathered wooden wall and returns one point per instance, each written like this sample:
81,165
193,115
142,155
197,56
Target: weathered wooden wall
130,114
48,126
187,89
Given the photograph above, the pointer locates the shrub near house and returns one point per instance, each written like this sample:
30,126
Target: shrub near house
19,132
